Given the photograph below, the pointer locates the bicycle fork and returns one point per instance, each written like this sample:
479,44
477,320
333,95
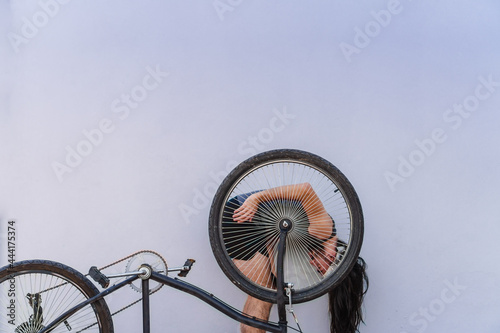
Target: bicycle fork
285,226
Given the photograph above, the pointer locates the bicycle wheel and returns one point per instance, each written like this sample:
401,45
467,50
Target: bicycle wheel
34,293
238,245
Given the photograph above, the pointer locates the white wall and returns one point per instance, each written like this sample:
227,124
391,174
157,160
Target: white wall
376,87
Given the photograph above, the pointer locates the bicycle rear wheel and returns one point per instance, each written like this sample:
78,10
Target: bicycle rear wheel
33,293
235,245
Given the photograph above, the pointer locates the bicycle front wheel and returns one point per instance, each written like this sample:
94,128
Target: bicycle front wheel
33,293
246,252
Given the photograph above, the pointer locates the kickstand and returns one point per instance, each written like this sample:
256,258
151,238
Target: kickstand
289,289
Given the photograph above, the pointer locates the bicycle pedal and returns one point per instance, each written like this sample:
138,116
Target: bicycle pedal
99,277
187,267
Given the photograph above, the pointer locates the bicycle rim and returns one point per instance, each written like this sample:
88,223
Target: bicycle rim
275,169
34,293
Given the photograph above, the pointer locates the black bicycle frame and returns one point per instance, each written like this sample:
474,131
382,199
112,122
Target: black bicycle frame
280,327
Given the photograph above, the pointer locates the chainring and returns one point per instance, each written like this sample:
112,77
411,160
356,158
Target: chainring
153,259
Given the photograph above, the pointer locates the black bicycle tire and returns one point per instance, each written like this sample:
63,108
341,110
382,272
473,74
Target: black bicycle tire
299,156
64,272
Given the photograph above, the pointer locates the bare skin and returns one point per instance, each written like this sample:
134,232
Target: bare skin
258,270
323,259
320,222
259,267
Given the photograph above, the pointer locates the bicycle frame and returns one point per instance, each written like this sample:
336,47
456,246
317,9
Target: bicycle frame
280,327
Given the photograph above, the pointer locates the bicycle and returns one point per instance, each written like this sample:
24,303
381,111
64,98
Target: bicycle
45,296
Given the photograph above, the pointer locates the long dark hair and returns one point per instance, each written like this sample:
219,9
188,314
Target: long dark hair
346,299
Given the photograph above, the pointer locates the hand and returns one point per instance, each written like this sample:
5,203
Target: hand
246,211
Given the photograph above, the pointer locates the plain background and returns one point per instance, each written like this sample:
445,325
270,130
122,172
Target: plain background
394,93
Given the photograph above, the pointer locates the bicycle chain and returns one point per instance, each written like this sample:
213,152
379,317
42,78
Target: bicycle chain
137,301
129,257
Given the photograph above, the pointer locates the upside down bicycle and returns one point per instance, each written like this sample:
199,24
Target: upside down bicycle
45,296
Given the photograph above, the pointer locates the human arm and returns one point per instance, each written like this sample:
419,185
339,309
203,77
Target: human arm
320,223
